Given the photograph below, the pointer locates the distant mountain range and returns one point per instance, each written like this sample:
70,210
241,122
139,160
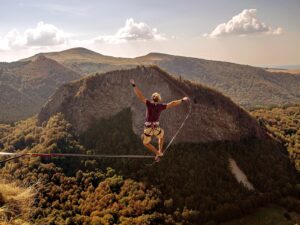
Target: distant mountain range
27,84
247,85
85,61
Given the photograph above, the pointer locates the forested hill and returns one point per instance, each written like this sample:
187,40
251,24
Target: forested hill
26,86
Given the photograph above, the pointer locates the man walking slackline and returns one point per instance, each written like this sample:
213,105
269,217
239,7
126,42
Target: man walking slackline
151,126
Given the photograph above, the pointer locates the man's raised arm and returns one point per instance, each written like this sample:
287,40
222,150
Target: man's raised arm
137,91
176,102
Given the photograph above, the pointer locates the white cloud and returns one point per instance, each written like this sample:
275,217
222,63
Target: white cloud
277,31
132,31
45,35
12,39
42,35
242,24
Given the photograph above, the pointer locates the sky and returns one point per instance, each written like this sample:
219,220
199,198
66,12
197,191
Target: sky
252,32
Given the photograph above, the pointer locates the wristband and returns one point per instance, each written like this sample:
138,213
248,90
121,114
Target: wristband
133,85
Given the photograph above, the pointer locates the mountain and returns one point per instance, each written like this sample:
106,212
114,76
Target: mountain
246,85
26,86
86,61
214,116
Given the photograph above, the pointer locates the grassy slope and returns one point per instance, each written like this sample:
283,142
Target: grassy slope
15,206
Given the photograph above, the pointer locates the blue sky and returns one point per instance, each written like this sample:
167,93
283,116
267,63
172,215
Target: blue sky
243,31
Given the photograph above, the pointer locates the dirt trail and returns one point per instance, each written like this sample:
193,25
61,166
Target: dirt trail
239,174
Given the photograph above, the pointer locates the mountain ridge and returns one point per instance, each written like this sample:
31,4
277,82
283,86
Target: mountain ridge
247,85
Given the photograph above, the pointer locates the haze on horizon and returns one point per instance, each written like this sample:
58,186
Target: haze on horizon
248,32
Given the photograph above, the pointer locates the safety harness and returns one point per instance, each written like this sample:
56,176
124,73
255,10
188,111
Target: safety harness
153,126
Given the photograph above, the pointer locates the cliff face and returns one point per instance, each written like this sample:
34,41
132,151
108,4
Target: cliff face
213,117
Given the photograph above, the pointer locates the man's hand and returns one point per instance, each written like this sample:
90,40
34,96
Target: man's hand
132,82
176,102
137,91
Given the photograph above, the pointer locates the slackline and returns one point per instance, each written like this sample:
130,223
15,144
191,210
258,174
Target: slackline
18,155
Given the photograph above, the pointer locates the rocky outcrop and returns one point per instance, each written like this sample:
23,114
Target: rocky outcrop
239,175
214,117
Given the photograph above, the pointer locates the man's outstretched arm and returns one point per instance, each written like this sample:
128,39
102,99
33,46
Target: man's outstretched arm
137,91
176,102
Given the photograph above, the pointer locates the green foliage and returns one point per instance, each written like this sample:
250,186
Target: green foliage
90,198
63,199
284,125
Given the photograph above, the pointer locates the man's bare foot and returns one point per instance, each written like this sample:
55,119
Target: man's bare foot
160,153
157,158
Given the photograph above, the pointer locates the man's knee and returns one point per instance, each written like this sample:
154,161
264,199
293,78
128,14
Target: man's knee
146,140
